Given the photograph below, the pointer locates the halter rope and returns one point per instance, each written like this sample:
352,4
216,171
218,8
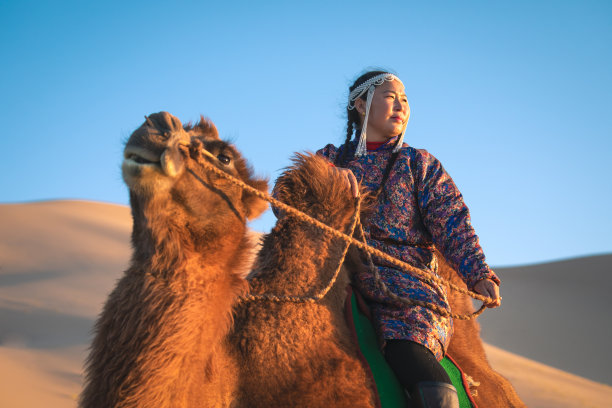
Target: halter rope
419,273
322,292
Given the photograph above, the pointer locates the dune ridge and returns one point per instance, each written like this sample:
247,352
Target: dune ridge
60,259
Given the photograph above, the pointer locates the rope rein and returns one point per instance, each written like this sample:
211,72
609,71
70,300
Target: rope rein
322,292
423,275
408,301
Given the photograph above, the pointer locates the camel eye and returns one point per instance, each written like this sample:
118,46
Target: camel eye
224,159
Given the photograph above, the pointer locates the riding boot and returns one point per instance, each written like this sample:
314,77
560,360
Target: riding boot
435,395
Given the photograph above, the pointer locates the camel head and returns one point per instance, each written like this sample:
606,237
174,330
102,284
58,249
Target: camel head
161,167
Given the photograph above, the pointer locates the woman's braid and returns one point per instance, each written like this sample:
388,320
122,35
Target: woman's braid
342,158
353,119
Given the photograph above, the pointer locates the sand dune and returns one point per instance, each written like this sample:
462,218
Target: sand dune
557,313
59,260
542,386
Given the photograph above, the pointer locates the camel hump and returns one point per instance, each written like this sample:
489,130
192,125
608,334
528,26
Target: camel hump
314,187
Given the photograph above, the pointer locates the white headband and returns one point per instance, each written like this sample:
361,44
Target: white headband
369,86
363,88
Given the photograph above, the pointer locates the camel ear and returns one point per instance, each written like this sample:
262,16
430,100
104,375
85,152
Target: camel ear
206,129
254,205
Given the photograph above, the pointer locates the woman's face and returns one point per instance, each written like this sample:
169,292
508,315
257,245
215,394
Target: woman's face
389,111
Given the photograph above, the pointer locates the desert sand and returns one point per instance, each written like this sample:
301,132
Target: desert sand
557,313
60,259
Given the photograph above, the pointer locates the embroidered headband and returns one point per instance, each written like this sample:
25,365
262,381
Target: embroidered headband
369,86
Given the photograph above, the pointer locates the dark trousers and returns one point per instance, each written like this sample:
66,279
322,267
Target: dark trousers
413,363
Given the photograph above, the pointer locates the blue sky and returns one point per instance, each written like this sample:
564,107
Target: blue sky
513,97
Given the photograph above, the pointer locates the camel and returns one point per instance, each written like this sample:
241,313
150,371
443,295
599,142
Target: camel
162,338
167,336
158,340
310,361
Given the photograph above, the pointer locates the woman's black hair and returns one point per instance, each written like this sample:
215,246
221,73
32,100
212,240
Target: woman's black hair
353,117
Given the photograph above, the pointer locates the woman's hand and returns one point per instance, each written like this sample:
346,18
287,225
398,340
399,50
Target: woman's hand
486,287
350,179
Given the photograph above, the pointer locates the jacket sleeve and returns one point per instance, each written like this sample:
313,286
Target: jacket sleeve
329,152
447,218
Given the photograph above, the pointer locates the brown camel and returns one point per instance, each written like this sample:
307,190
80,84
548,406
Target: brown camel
301,354
162,337
157,341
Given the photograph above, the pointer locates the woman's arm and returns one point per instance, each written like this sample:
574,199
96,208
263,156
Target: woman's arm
448,220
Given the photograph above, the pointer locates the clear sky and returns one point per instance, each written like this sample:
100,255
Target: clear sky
514,97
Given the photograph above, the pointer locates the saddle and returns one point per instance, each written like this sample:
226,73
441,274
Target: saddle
388,390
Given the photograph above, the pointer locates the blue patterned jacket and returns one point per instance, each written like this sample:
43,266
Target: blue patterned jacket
419,207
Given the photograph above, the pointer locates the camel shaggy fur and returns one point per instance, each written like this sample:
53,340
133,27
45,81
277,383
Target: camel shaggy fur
157,341
301,354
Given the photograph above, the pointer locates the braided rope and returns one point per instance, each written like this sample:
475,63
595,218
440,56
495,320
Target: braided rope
409,301
322,292
419,273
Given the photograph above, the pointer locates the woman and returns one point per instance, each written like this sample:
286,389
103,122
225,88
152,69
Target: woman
418,207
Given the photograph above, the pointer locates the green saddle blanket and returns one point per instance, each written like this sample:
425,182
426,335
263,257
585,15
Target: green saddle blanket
390,392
